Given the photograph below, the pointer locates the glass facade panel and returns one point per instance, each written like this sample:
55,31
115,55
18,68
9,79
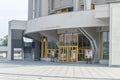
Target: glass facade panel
83,44
52,46
75,39
68,48
72,47
61,39
105,45
68,39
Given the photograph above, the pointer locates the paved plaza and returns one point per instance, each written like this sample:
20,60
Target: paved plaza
38,70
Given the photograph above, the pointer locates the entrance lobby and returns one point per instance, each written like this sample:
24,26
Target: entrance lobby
71,48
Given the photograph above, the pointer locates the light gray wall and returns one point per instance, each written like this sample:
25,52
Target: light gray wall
17,24
15,34
102,11
44,8
30,9
37,10
114,34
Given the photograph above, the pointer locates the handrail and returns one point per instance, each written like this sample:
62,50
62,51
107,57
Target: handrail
92,42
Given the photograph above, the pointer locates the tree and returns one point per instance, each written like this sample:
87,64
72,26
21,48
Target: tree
1,42
4,41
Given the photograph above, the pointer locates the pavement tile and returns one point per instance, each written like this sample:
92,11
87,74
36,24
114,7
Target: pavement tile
26,70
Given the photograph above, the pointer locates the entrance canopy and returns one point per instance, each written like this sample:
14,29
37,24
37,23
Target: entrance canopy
65,20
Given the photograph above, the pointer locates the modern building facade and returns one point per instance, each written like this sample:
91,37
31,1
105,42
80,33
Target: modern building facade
70,28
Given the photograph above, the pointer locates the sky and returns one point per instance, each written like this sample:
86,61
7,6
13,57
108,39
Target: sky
11,10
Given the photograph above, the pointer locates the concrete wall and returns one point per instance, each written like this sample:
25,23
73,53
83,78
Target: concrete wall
114,34
17,24
30,9
15,35
102,11
37,10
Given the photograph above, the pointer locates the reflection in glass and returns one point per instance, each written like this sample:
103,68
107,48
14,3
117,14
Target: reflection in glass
68,39
105,45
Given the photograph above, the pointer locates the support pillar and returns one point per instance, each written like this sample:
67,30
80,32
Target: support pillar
37,7
30,9
44,7
36,50
76,5
87,4
114,51
10,46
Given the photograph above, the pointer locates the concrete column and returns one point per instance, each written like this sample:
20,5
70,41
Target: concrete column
87,4
37,8
23,46
36,50
44,7
30,9
76,5
10,47
114,51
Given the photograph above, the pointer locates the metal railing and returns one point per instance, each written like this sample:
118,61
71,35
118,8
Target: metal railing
92,42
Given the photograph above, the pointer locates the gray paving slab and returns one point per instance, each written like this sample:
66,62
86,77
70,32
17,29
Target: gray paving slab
37,70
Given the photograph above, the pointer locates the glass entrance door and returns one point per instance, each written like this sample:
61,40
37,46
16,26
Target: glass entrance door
68,48
68,54
72,47
84,44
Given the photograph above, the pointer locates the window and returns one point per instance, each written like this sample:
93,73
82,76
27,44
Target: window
68,39
105,45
